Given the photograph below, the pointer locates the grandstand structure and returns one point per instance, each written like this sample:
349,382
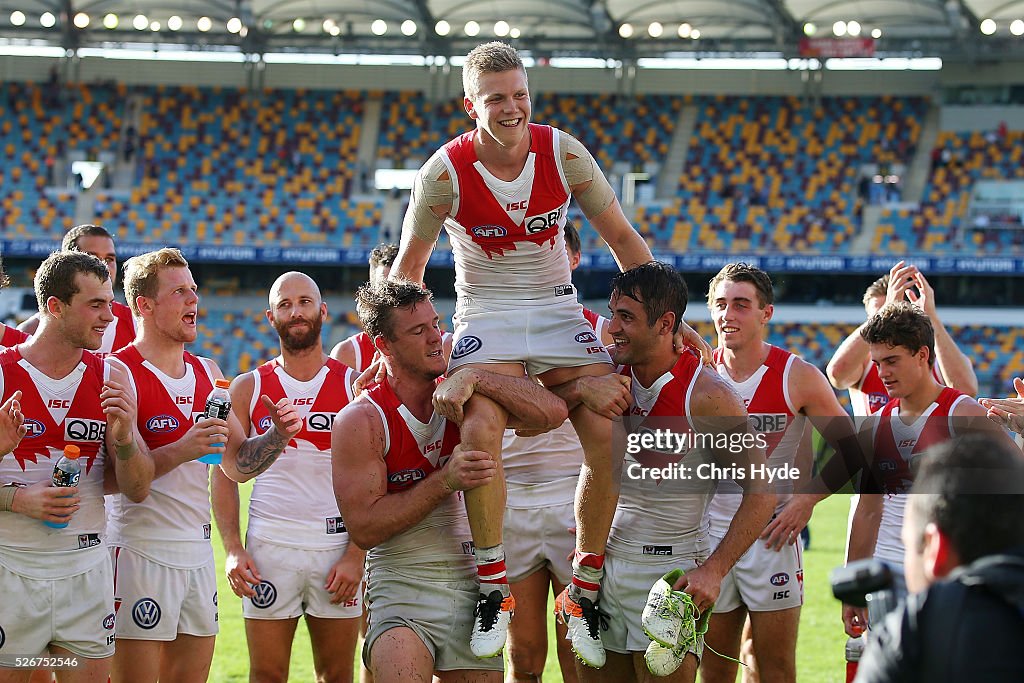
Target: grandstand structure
266,156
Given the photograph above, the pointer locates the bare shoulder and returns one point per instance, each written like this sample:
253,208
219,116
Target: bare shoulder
713,396
359,417
244,383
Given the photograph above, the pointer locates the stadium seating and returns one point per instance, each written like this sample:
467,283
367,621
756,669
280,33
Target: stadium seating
772,173
938,225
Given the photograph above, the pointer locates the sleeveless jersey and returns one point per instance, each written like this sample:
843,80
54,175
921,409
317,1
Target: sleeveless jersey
57,412
765,395
507,235
11,336
664,516
554,455
293,502
363,348
412,451
120,333
172,525
895,445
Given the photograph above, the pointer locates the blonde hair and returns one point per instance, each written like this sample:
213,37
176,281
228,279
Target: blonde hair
140,273
488,58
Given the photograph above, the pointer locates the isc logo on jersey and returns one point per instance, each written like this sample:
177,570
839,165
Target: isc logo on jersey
80,429
551,219
161,424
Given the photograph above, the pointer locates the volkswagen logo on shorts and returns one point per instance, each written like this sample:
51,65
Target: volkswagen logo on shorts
108,621
265,423
586,337
780,579
466,346
265,596
146,613
162,423
3,637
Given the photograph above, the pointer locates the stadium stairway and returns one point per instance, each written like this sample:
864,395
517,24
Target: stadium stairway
677,151
920,167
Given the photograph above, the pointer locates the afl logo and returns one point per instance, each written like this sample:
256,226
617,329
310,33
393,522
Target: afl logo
108,621
265,596
265,423
146,613
466,346
161,424
491,231
33,428
406,477
586,337
780,579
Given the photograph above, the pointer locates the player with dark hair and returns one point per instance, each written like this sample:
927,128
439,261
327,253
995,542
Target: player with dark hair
357,351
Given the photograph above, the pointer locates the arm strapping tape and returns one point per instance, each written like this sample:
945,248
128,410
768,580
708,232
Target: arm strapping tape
428,190
580,167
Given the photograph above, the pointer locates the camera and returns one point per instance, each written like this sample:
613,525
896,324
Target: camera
866,583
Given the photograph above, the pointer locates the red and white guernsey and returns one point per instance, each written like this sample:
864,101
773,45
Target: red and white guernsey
896,444
412,451
11,336
507,235
120,333
57,412
278,513
172,525
765,395
363,348
658,515
543,462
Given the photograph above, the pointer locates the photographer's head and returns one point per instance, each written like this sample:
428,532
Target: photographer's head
956,512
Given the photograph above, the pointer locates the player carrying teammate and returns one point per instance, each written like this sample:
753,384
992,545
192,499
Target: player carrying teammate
778,389
57,583
501,191
165,580
297,559
398,477
661,522
95,240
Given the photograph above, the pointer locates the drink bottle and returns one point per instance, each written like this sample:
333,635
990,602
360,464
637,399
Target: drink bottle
218,405
66,472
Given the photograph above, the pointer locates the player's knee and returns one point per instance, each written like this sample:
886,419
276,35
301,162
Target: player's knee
336,671
268,672
527,657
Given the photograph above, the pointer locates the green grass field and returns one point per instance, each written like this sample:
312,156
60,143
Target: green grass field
819,651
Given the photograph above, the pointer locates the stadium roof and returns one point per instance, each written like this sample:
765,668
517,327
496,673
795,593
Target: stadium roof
952,29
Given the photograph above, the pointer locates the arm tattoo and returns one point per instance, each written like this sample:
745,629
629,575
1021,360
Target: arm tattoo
258,453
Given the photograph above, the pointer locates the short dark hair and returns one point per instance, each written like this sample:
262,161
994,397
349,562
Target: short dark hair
656,285
383,255
962,487
744,272
901,323
376,301
70,241
572,238
56,275
879,287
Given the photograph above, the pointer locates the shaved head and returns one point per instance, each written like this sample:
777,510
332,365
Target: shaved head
293,282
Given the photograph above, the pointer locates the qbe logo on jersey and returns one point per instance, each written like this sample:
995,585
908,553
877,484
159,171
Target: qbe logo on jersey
80,429
266,595
319,422
544,221
146,613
